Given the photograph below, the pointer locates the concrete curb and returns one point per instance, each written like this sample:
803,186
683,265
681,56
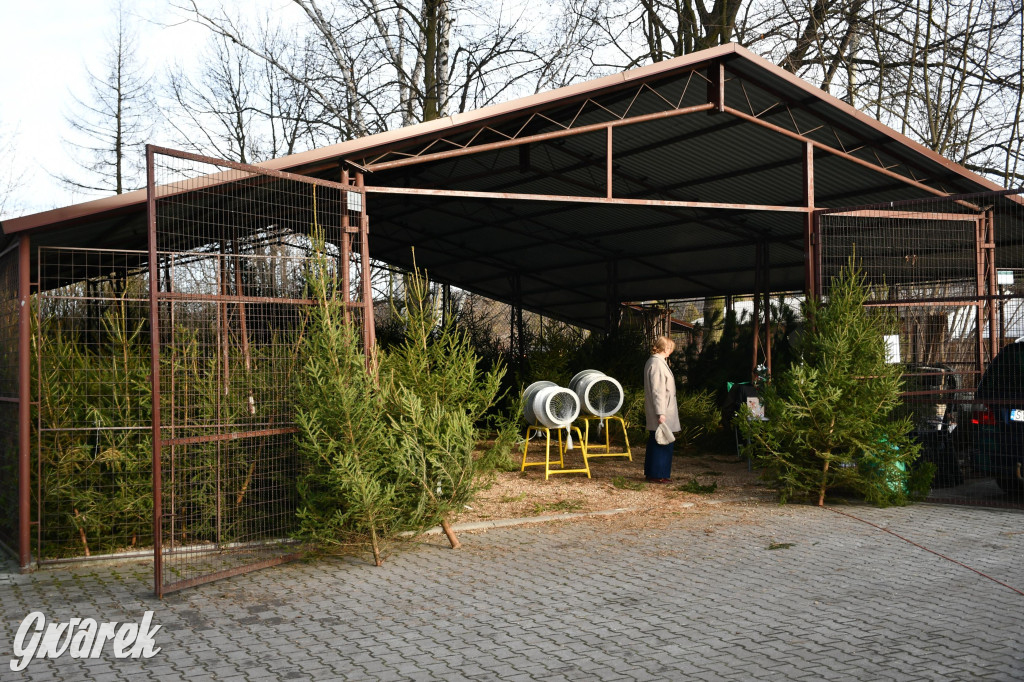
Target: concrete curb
503,523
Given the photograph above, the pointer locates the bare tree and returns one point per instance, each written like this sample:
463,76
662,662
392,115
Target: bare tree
944,72
372,65
113,123
11,179
238,107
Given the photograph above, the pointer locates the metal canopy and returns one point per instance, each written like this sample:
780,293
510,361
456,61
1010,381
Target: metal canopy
661,182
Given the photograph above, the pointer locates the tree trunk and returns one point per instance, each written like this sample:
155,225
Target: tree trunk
451,534
714,309
824,479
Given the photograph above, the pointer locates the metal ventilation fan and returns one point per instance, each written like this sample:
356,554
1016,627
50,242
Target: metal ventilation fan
599,394
545,403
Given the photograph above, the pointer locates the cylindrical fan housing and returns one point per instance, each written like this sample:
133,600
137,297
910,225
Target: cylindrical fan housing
599,394
545,403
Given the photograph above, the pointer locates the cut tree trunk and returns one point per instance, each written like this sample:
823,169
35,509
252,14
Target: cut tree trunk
451,534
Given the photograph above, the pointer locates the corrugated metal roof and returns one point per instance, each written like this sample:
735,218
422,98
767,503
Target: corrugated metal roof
562,251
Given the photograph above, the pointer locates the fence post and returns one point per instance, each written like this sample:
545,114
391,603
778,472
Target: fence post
24,403
154,368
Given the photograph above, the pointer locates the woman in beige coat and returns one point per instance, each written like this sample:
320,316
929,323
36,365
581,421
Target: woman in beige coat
661,408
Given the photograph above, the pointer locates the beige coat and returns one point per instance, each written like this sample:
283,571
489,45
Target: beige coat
660,394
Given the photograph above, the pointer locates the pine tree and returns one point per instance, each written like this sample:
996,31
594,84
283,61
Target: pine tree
392,451
832,415
437,395
351,485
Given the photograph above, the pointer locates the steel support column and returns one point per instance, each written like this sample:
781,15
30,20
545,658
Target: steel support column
24,404
758,257
979,303
609,159
810,265
345,258
989,246
154,369
716,87
766,283
369,333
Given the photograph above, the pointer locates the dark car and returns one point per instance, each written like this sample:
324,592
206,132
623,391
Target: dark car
1000,425
938,426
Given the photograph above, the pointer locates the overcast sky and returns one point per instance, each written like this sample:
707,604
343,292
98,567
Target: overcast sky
45,48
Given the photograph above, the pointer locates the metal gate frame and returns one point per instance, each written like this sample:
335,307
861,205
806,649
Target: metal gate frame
351,237
985,297
967,269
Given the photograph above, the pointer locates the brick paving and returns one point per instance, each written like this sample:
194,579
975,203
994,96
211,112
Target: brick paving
699,596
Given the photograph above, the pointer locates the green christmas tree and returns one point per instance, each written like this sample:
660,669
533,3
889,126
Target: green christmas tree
352,480
388,450
437,395
832,416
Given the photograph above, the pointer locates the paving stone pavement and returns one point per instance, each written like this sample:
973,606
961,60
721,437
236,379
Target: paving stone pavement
697,597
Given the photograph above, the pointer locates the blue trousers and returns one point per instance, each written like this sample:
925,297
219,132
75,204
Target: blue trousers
658,460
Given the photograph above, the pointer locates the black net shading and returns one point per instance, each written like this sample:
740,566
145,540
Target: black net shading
948,271
9,406
235,247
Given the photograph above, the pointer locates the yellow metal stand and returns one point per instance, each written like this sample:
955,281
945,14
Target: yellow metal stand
561,451
607,447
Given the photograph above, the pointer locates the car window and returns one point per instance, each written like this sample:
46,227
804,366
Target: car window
1006,371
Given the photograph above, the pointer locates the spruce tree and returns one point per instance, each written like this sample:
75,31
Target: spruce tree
391,450
437,395
832,420
351,483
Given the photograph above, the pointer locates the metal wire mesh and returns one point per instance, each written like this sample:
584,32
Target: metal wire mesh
947,270
605,396
234,248
93,473
9,399
563,406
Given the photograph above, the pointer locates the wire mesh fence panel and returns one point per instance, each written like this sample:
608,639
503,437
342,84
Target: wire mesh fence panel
9,406
945,271
92,473
232,251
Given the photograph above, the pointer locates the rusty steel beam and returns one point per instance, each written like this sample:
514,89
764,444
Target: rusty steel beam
809,245
989,246
716,86
756,318
175,296
835,152
154,369
369,333
24,403
514,196
345,257
609,159
768,307
233,435
917,302
224,178
230,572
907,215
541,137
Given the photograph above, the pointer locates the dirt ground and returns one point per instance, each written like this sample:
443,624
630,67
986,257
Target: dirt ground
698,480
